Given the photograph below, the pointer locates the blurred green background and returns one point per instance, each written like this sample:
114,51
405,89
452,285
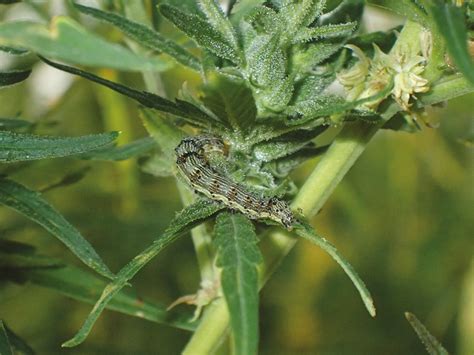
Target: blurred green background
402,217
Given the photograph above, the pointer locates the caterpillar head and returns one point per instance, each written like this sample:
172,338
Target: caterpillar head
282,213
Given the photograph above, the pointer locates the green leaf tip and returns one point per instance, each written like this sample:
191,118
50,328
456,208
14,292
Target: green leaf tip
144,36
432,345
31,204
16,147
185,220
306,231
67,40
238,256
201,31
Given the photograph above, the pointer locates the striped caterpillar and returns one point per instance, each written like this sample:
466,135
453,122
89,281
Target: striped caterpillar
193,163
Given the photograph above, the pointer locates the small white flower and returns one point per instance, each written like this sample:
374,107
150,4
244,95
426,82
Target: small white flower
368,77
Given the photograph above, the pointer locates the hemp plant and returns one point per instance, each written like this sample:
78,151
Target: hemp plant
269,75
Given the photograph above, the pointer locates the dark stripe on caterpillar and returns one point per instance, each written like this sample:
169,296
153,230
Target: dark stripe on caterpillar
193,163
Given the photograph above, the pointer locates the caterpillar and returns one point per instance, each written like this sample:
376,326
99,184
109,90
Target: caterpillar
193,163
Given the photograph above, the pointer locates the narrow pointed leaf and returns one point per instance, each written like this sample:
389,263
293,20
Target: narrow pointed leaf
329,105
306,231
285,144
85,287
13,77
130,150
182,223
232,101
238,256
218,20
201,31
68,41
432,345
283,166
145,36
183,109
328,31
22,147
450,22
301,14
31,204
266,61
242,8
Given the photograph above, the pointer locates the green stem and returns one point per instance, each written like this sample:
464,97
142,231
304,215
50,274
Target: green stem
201,239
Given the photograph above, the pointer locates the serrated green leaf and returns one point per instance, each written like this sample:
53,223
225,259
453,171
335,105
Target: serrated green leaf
130,150
277,96
12,123
242,8
30,204
305,59
300,14
5,346
311,87
85,287
264,20
145,36
23,147
283,166
182,223
451,25
286,144
328,31
232,101
68,41
306,231
219,21
238,255
326,105
201,31
432,345
266,61
8,78
185,110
